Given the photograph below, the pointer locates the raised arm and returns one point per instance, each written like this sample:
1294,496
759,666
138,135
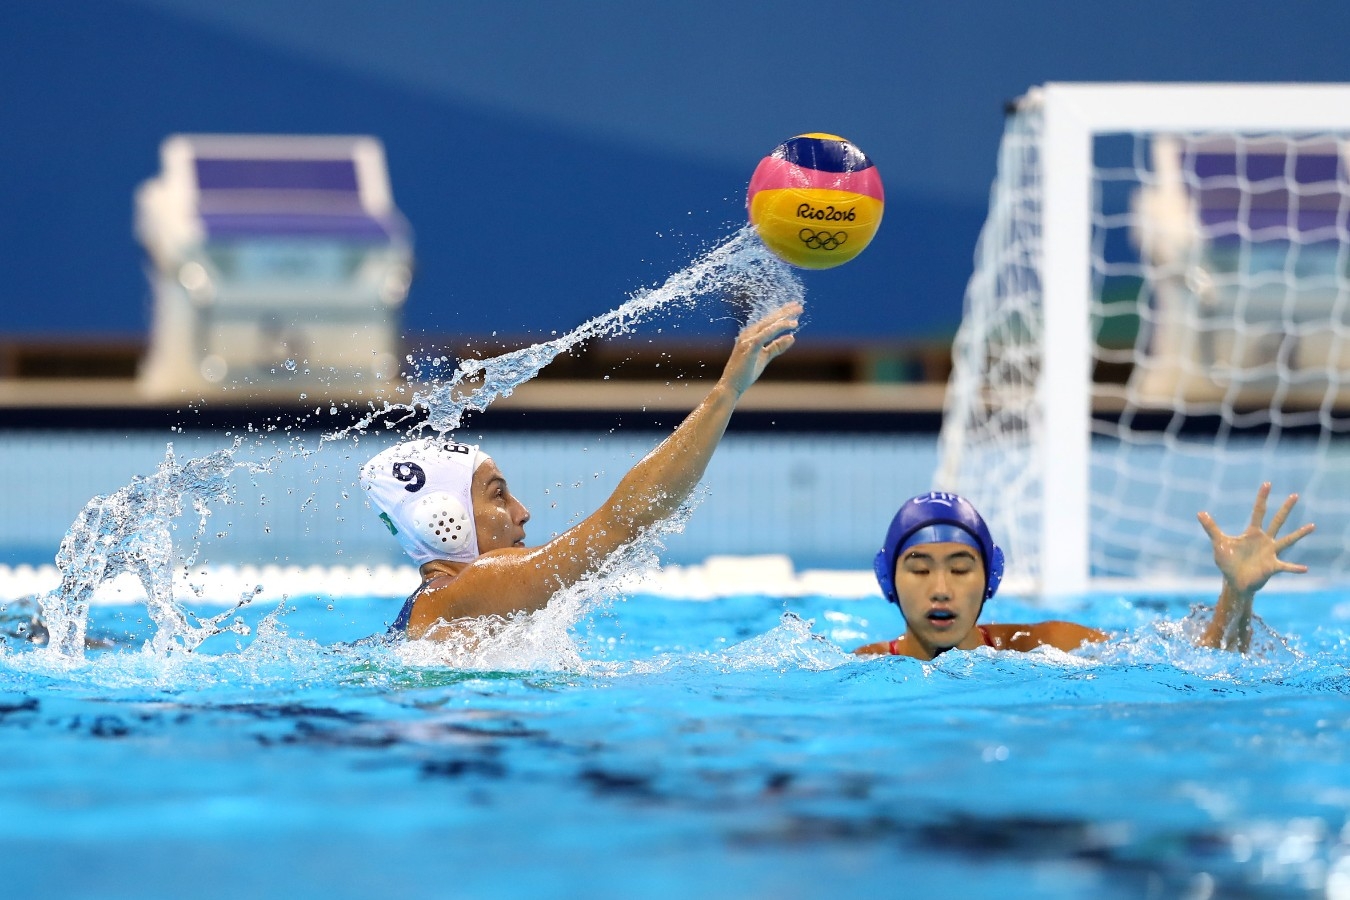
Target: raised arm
656,486
515,579
1247,561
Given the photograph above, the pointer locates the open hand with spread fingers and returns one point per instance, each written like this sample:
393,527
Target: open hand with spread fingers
1248,560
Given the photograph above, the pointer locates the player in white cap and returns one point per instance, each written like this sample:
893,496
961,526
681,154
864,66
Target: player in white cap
451,509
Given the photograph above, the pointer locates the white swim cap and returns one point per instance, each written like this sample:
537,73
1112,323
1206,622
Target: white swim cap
424,491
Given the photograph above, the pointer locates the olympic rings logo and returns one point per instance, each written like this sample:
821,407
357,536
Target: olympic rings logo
822,240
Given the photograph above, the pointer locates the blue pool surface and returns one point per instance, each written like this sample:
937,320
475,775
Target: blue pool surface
664,747
624,741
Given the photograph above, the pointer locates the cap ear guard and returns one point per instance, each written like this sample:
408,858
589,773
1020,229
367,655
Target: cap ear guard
441,520
995,574
885,572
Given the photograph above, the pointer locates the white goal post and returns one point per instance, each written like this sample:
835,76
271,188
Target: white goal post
1213,219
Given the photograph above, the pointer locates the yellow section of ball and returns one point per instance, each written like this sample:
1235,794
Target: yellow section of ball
815,228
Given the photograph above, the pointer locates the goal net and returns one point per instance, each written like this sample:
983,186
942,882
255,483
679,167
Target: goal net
1157,322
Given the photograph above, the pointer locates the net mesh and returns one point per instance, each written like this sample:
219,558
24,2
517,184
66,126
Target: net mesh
1221,357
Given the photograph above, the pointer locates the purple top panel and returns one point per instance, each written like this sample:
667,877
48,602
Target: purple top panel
1274,221
1253,190
307,198
1232,199
360,228
276,174
1309,168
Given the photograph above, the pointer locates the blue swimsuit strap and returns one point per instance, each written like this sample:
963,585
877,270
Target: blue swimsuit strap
400,626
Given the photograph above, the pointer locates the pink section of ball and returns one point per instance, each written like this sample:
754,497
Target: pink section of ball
775,174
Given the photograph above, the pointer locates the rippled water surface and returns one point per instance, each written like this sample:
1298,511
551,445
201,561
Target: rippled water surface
666,747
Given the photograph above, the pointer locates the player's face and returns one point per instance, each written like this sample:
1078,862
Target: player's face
941,590
498,516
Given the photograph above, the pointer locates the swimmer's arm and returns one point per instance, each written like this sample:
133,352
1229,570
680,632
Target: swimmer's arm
1061,635
880,647
661,481
901,646
1247,561
1231,626
517,579
1066,636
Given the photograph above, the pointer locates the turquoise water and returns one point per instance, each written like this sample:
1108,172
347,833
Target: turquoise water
665,747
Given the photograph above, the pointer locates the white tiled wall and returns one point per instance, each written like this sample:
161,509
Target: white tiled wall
823,499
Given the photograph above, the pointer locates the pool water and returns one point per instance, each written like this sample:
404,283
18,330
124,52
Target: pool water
659,734
652,745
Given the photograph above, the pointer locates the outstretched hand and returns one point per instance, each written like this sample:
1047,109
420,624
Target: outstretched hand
1248,560
758,344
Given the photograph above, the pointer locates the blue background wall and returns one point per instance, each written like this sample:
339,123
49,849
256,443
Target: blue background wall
554,156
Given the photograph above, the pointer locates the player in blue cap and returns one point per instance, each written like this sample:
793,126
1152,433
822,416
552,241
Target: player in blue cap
940,564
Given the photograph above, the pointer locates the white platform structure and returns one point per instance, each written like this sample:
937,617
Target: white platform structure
275,261
1196,236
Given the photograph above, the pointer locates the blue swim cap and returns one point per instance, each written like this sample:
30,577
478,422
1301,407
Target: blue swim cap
937,517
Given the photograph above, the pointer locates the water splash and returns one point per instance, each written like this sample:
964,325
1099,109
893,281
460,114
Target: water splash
543,640
790,645
130,530
740,269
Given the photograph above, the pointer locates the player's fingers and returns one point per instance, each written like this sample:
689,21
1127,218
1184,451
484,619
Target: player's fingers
1293,537
1259,507
762,342
793,308
1281,515
777,347
1211,527
1291,567
772,325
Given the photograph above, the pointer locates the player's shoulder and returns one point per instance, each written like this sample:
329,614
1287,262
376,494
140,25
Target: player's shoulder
875,649
1057,633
